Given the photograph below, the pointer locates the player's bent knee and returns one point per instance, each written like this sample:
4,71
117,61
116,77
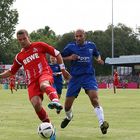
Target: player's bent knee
43,85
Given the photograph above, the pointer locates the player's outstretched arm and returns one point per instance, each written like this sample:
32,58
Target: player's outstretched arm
5,74
65,73
99,60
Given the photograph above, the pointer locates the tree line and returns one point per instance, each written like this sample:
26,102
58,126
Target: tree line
126,41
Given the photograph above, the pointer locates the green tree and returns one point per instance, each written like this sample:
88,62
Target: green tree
44,34
11,52
8,20
64,40
126,42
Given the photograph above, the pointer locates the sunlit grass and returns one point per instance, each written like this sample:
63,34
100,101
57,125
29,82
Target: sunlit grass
122,110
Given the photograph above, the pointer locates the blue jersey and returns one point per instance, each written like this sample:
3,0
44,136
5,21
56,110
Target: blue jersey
55,68
58,79
84,63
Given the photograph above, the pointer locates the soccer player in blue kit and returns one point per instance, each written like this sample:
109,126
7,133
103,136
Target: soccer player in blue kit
81,53
57,75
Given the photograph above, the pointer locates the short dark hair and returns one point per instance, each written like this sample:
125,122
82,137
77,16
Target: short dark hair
22,31
80,30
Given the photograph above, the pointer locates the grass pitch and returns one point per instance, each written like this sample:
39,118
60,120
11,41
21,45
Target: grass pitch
18,120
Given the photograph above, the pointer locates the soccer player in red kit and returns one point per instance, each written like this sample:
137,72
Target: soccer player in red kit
115,80
12,83
38,73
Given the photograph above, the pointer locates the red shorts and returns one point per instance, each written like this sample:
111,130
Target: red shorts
34,87
116,83
12,85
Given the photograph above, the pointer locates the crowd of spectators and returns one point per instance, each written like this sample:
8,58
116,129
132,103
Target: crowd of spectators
20,79
123,79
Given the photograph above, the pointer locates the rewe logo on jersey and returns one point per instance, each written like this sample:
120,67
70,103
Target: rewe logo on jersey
30,58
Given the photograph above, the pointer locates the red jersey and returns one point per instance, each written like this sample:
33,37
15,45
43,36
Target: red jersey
34,61
12,81
12,77
116,78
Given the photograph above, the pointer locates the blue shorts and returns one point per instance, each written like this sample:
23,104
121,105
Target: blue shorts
87,82
58,86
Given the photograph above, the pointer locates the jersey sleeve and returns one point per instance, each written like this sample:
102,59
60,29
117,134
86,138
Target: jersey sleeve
95,51
67,51
45,48
15,67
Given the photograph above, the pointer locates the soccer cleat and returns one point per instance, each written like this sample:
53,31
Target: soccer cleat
53,137
55,105
104,127
65,122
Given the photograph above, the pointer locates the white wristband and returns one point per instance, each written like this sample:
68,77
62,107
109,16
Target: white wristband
62,66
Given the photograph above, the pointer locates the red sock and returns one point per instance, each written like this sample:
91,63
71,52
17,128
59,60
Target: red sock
51,92
43,116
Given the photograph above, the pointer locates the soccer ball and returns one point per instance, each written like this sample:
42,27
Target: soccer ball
45,130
